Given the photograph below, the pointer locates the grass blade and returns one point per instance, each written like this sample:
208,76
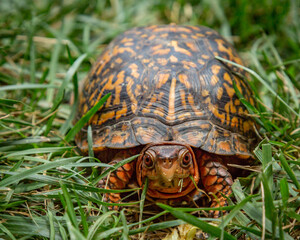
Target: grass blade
80,124
114,167
288,170
90,141
270,211
69,208
5,230
72,74
267,164
235,211
83,216
53,68
51,223
38,151
143,197
261,81
35,226
75,234
284,190
125,231
26,86
93,229
206,227
41,168
72,70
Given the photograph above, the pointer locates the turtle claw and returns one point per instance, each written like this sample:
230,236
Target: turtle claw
109,197
220,202
116,180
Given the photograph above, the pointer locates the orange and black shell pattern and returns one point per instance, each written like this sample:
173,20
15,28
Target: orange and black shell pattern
167,85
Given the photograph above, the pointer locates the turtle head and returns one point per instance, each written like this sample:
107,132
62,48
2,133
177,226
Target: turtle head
169,167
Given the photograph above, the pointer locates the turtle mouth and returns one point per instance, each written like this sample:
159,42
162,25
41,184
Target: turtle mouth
175,186
160,194
181,187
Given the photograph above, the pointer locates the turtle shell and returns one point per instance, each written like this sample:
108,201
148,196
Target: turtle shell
167,85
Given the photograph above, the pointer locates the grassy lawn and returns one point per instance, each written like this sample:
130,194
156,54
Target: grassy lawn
48,46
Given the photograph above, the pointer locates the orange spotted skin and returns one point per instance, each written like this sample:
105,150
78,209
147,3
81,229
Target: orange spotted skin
167,87
216,179
119,178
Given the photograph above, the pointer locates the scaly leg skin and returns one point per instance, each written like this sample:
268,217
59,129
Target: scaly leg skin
216,180
117,179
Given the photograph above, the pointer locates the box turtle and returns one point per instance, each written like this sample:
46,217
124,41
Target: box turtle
173,103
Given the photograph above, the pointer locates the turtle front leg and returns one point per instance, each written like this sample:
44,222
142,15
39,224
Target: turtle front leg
216,181
117,179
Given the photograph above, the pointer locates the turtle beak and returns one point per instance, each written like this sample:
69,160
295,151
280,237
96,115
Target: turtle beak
167,170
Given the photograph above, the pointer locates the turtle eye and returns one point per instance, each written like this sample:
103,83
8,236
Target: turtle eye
186,160
148,162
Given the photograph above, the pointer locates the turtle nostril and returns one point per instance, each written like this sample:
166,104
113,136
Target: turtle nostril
167,163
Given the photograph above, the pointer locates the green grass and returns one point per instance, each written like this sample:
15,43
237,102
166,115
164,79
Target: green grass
47,47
